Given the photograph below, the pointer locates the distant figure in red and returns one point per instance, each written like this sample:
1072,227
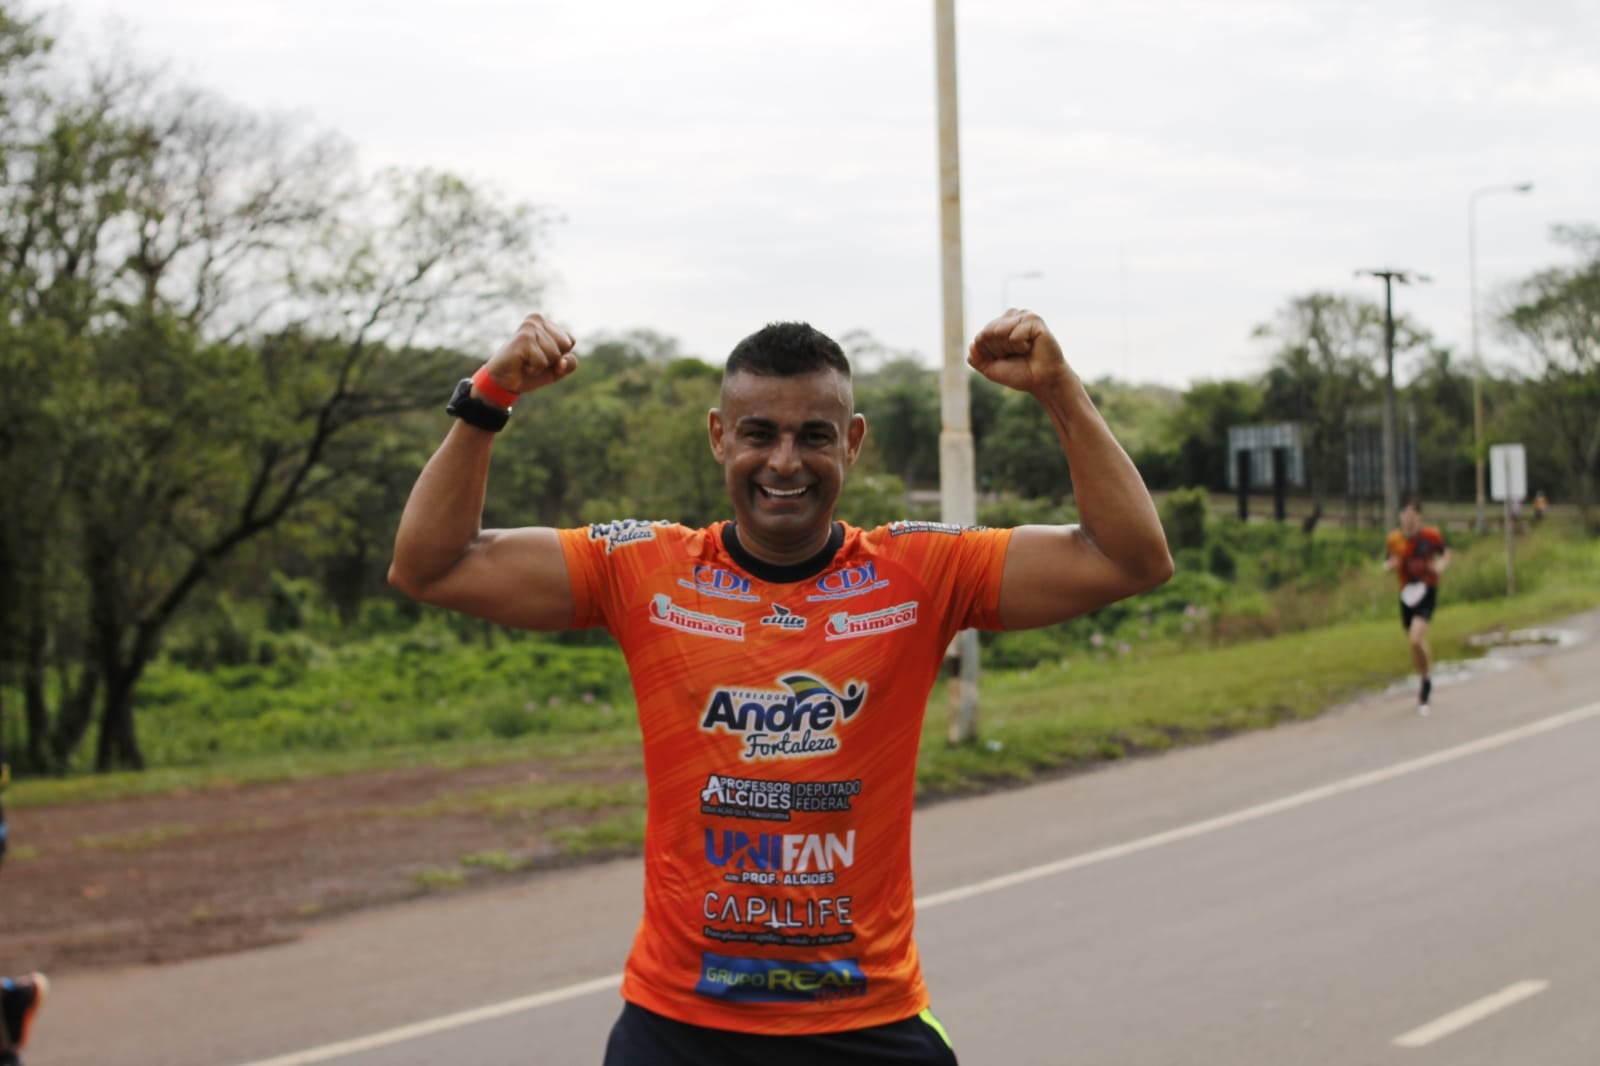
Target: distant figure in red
1417,555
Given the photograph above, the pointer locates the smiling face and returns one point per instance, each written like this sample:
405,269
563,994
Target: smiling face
784,444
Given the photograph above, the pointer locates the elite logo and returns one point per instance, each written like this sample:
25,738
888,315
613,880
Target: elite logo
842,625
663,612
796,721
783,618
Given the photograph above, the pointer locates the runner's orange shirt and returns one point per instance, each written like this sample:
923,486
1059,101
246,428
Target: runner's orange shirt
781,709
1412,554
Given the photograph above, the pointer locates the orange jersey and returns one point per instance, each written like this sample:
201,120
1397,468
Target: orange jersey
781,709
1414,554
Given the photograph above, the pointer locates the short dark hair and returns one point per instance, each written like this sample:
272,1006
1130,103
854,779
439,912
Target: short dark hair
1411,501
786,350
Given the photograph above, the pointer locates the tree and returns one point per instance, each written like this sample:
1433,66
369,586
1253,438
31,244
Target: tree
1326,360
230,316
1198,430
1556,322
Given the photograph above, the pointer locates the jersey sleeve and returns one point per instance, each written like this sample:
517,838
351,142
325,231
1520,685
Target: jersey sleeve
960,566
605,561
587,572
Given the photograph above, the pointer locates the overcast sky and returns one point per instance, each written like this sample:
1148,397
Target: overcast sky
1175,171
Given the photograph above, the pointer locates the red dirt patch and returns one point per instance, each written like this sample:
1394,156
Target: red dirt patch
161,878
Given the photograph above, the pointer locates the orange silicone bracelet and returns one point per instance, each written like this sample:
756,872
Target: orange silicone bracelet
491,391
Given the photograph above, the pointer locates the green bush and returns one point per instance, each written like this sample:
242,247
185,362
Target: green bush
1183,515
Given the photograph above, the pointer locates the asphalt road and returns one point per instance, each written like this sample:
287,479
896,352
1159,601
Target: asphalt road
1369,888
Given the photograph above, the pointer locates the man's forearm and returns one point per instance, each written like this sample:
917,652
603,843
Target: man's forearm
1114,506
444,512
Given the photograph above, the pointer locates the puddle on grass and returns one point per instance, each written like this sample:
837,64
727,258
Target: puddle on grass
1504,649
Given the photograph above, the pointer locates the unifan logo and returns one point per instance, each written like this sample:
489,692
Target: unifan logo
786,858
796,721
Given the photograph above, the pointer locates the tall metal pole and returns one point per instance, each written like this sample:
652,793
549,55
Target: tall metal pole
1477,360
957,489
1391,479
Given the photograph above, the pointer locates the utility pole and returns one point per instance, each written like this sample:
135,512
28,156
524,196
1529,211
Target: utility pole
957,488
1391,474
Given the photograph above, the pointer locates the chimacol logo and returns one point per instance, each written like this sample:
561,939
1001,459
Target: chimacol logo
663,612
737,980
842,625
796,721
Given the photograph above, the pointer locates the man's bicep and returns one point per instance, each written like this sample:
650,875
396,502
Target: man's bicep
1053,573
513,577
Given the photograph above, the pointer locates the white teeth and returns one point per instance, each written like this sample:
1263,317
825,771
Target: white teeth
782,493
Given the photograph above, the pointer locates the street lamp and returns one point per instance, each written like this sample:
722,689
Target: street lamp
1005,288
1391,479
1477,361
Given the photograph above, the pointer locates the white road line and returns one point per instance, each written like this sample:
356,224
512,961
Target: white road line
994,884
373,1041
1457,1020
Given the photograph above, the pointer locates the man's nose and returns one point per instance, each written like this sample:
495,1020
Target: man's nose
785,457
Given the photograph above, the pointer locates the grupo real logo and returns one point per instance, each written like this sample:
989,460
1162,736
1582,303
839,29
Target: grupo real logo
848,581
723,584
796,721
739,980
663,612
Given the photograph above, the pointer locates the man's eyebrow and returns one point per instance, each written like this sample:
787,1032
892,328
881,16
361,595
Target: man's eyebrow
757,422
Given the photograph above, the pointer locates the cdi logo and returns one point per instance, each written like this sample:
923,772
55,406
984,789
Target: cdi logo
738,980
842,625
663,612
780,858
850,581
723,584
793,722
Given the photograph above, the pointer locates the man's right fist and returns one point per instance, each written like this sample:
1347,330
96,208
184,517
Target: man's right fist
540,352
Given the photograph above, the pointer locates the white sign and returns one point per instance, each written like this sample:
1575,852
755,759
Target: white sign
1508,472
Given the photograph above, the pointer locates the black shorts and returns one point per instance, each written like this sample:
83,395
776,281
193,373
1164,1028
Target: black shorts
644,1038
1423,610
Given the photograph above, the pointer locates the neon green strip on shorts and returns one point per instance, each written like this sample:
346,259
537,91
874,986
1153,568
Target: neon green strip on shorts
938,1027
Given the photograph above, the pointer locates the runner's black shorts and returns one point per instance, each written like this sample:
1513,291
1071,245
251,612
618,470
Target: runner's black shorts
1423,610
644,1038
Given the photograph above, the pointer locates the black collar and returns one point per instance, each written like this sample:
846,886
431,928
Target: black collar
787,574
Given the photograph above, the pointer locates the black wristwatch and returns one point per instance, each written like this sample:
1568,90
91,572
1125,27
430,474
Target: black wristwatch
476,412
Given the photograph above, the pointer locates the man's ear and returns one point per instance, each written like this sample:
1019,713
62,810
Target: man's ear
714,428
857,434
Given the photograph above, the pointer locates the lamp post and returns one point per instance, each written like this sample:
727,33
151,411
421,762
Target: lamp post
1391,479
1005,287
1477,360
957,488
